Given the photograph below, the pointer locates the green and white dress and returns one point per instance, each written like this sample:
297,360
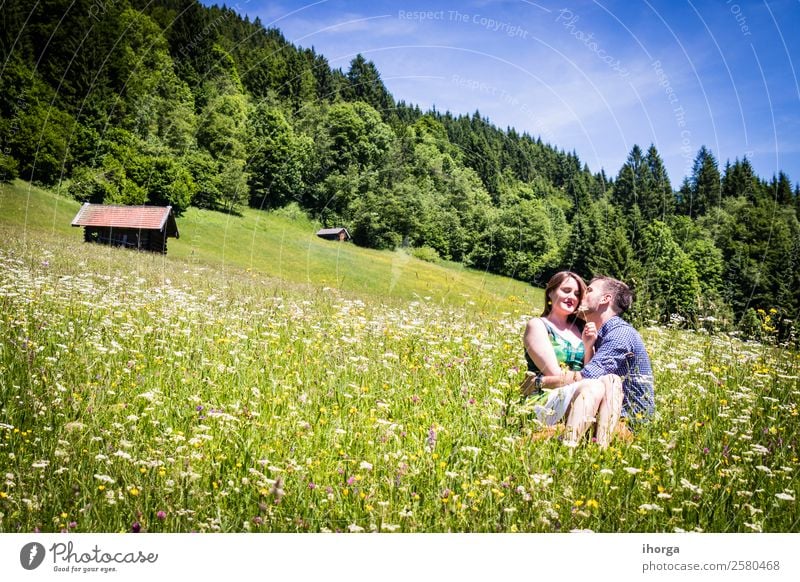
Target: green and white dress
550,405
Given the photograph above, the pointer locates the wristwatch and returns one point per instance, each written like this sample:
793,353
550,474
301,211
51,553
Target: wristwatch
537,382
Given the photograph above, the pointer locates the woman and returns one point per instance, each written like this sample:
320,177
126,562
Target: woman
557,346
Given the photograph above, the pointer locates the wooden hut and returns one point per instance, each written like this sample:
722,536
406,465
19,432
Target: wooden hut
138,227
339,234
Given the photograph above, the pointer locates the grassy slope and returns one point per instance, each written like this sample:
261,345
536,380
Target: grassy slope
277,246
100,351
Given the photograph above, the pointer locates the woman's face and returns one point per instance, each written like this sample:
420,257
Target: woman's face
566,297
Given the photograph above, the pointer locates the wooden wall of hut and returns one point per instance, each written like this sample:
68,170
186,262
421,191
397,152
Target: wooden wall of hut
134,238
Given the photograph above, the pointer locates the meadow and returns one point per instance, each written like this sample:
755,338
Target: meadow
192,393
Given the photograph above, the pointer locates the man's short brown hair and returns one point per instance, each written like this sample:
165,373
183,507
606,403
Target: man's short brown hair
621,294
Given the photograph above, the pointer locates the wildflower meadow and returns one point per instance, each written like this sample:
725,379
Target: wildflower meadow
151,394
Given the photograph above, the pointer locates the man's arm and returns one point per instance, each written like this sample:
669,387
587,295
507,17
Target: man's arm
612,355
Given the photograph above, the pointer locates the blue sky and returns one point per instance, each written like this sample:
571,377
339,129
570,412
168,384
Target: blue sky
594,77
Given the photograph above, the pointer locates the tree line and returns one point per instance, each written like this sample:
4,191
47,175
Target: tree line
170,102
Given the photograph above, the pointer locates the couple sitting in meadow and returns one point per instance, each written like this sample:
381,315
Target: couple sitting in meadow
589,371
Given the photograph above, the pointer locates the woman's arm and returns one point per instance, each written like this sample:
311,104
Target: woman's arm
537,344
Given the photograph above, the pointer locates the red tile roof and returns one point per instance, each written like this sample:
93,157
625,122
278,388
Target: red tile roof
141,217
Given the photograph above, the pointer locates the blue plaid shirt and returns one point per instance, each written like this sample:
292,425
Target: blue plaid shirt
619,350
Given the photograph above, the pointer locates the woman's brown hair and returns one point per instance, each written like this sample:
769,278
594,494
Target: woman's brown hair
554,283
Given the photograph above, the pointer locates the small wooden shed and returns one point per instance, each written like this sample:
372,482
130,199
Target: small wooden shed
339,234
139,227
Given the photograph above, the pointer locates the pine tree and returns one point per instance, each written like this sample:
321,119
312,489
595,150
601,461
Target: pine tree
797,200
634,181
705,184
657,201
365,85
739,180
781,189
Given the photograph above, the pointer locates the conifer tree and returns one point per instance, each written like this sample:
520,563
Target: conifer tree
705,184
657,201
365,85
739,180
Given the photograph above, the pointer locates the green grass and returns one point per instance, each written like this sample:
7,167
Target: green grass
176,394
276,246
24,209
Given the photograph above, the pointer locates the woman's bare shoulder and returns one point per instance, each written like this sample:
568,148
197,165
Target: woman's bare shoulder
536,324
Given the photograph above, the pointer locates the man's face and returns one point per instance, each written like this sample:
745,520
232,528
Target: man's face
594,296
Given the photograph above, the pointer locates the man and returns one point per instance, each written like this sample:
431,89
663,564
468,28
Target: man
618,346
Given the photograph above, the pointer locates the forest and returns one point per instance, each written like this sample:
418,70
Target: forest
171,102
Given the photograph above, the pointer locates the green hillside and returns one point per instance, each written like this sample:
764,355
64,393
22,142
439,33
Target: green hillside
144,109
275,245
183,393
